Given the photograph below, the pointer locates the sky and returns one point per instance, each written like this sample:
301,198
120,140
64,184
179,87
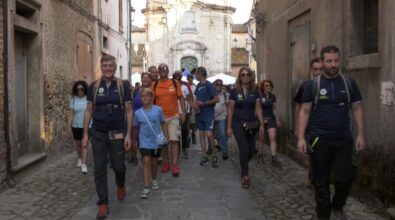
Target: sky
242,14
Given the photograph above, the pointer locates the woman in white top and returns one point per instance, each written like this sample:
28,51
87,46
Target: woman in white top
76,121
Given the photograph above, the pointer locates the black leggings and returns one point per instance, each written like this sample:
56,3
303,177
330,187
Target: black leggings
185,133
246,142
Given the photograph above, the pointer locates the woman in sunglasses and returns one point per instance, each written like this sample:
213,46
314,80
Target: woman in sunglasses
268,102
245,118
75,121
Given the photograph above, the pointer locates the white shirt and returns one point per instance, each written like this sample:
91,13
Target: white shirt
220,107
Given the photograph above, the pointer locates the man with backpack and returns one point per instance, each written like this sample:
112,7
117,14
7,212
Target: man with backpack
167,94
327,103
109,106
316,70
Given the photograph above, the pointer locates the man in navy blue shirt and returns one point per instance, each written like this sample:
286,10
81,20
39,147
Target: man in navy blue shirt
109,106
205,100
327,101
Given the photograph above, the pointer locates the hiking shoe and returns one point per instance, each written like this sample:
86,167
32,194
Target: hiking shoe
209,151
121,193
79,163
193,139
276,162
215,162
176,170
84,169
133,160
260,159
245,183
185,153
204,161
339,214
154,184
225,156
102,212
146,193
165,168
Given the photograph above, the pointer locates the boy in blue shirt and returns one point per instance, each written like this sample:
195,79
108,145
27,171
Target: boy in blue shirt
150,121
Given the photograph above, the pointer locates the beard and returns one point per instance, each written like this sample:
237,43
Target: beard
332,71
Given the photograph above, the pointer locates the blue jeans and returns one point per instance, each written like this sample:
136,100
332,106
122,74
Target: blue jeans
220,131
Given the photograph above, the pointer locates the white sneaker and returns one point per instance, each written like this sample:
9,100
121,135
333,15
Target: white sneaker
84,169
79,163
146,193
154,184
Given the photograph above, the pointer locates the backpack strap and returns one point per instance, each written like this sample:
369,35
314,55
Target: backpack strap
316,89
347,86
95,88
120,89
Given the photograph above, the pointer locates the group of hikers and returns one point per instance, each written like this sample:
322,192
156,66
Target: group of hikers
158,119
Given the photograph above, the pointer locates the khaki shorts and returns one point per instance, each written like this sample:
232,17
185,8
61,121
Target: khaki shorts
173,127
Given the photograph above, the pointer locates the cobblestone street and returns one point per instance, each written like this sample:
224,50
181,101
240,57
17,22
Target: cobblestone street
60,191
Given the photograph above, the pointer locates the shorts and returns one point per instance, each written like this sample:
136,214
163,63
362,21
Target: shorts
78,133
270,123
205,124
192,119
155,153
173,127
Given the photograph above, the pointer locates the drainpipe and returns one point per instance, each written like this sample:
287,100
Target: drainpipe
9,179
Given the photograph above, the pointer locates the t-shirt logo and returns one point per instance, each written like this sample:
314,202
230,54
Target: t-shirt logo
263,100
171,89
101,91
239,97
323,92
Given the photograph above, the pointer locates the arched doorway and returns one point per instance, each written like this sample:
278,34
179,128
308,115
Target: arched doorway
189,63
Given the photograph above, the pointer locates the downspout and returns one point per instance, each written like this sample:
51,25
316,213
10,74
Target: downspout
9,179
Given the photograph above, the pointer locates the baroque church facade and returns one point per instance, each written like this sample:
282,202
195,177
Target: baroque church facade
188,33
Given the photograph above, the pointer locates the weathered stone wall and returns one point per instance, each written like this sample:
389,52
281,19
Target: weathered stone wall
60,64
330,23
2,136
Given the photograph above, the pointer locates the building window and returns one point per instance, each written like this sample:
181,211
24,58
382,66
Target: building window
189,63
364,27
120,16
105,42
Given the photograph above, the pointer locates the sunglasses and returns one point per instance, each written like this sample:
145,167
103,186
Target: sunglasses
218,84
80,89
246,74
162,68
267,85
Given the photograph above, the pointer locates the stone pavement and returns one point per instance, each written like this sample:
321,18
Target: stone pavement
201,192
59,191
282,193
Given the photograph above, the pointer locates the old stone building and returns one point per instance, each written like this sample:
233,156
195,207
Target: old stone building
50,45
290,33
239,47
189,33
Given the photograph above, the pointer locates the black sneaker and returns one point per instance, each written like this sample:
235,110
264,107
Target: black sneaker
215,162
276,162
204,161
225,156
